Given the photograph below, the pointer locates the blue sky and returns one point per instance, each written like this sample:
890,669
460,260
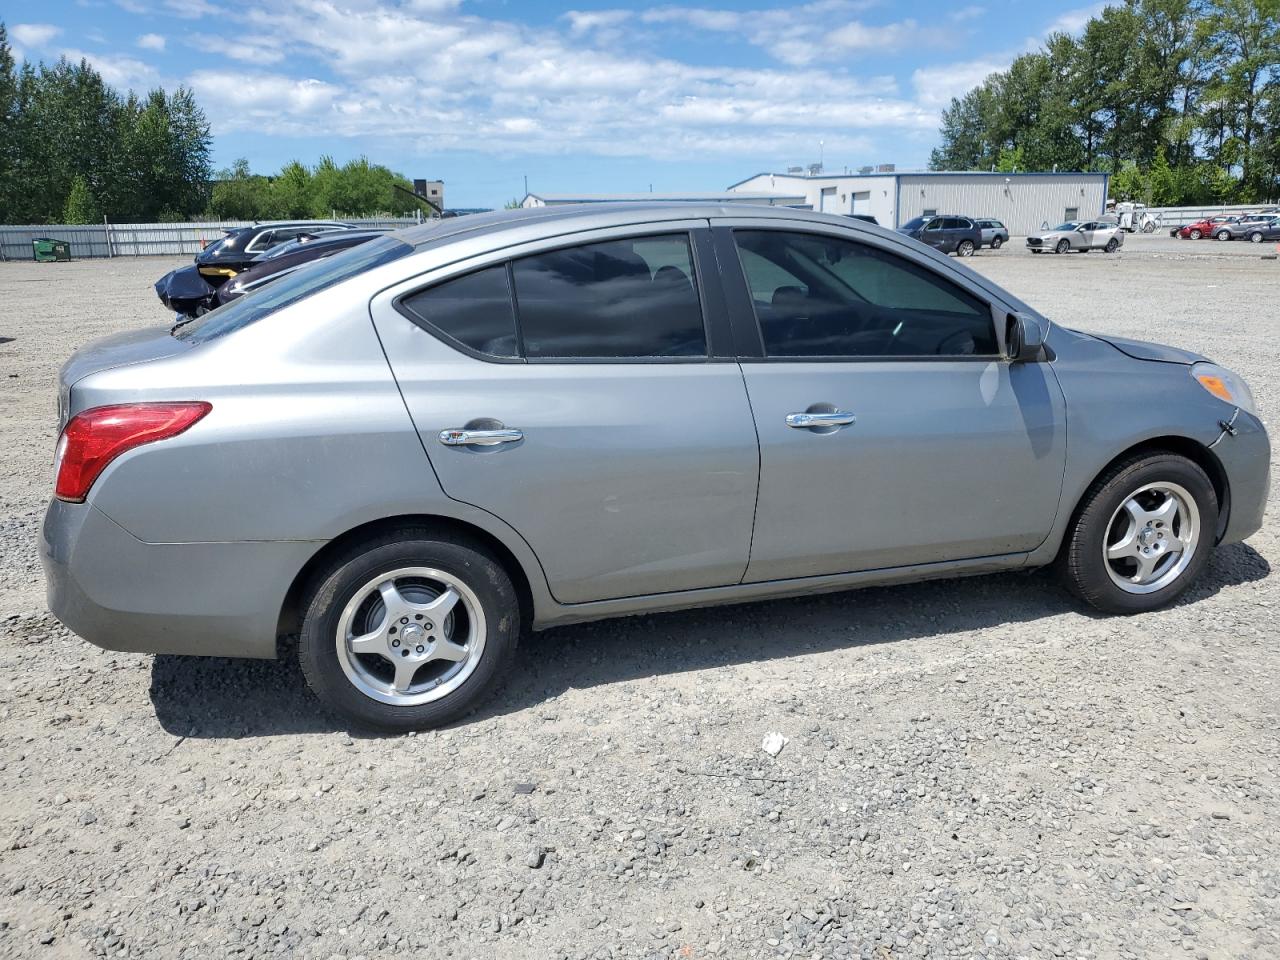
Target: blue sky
592,96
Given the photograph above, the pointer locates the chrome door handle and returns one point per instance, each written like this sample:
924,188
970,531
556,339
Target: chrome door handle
479,438
804,421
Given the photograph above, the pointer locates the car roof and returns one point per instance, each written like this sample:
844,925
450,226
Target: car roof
571,217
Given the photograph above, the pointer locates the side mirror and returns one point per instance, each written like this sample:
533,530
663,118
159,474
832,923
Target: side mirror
1023,339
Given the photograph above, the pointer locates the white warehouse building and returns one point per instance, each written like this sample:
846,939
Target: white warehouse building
1022,201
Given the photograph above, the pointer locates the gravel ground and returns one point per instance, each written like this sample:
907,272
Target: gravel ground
976,768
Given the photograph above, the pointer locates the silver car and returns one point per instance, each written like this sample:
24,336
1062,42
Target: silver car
407,454
1079,235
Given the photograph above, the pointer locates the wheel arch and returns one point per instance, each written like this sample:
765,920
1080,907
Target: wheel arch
1193,450
290,617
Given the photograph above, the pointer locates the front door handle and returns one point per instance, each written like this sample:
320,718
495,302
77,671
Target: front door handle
807,421
461,437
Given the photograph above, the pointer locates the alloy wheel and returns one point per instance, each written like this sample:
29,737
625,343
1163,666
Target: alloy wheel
1151,538
410,636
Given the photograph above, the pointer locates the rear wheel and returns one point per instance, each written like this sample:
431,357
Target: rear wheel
1063,246
1255,237
997,243
964,248
1143,533
408,631
1112,245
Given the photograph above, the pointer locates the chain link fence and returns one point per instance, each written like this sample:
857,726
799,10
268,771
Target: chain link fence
141,239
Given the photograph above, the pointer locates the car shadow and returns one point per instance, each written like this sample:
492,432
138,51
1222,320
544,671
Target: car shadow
212,697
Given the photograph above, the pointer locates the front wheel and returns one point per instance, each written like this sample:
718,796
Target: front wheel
1224,234
1063,246
1142,534
1195,234
408,631
964,248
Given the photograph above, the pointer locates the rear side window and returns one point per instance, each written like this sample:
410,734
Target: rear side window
633,298
474,310
821,296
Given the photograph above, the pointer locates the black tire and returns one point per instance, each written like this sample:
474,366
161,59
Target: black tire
335,585
1224,234
997,243
1080,563
965,248
1112,245
1063,246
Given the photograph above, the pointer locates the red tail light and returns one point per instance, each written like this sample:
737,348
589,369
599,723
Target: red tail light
97,436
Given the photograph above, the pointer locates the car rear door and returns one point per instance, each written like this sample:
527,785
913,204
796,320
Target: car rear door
892,430
609,426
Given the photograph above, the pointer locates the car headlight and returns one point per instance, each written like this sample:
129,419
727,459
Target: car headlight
1224,385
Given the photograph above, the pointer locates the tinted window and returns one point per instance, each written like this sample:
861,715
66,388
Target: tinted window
620,298
914,224
818,296
288,290
474,310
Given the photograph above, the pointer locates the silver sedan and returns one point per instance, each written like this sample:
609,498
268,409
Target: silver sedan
407,454
1078,235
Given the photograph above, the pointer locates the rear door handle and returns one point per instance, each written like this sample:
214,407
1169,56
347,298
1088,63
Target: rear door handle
806,421
459,437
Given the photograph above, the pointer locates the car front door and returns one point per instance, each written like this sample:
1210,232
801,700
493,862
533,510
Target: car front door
892,430
609,425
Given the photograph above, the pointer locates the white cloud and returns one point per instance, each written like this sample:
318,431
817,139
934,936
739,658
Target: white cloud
935,86
34,34
585,21
151,41
966,13
288,102
1073,21
117,70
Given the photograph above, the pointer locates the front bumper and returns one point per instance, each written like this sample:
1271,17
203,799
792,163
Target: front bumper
1246,458
199,599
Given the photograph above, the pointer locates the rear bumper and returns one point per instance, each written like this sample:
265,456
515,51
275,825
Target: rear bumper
1246,458
199,599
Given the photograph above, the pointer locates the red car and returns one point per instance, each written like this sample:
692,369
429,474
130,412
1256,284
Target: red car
1204,228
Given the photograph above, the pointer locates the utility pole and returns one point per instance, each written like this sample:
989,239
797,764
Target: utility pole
526,185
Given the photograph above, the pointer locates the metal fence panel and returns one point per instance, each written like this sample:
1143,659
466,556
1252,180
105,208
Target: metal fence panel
141,239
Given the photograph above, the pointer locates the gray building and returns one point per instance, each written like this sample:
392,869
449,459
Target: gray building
1022,201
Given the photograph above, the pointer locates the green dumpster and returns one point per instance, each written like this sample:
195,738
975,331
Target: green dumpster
48,250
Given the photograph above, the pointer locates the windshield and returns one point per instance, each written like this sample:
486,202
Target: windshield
1069,225
288,290
916,224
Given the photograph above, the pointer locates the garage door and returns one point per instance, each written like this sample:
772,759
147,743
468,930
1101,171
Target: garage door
829,201
862,202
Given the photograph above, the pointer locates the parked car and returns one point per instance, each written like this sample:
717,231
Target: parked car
1246,227
1207,227
1079,235
958,235
411,451
864,217
1268,229
289,257
994,233
185,291
230,254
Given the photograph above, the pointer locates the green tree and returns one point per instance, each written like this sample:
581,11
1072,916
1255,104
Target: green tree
80,207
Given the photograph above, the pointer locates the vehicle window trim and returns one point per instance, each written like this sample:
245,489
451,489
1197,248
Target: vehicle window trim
657,229
752,338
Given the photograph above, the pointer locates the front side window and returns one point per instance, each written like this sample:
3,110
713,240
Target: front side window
474,310
632,298
821,296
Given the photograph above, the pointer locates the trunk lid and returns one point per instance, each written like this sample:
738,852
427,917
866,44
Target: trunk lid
117,350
